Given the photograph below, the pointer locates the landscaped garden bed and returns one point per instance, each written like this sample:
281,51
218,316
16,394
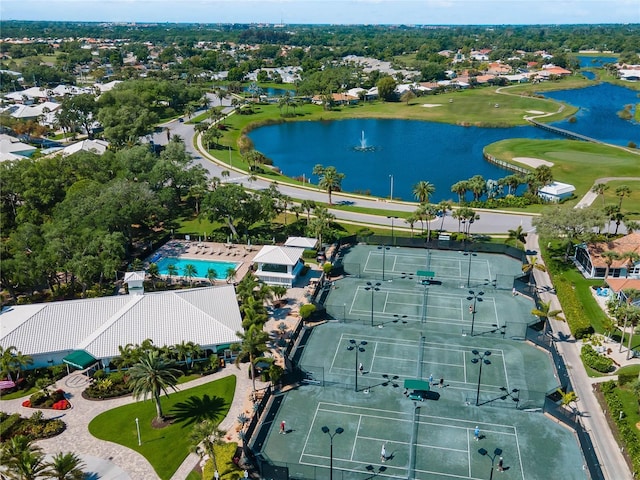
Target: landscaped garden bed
55,400
34,427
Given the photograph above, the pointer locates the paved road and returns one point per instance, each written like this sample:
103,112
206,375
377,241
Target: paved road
489,222
613,465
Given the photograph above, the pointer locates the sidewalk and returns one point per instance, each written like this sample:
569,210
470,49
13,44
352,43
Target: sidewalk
612,462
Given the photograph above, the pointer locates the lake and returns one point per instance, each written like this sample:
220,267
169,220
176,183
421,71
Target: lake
414,150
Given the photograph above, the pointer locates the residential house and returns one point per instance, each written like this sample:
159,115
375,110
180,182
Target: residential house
592,261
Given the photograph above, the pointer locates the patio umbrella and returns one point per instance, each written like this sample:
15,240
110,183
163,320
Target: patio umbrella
6,384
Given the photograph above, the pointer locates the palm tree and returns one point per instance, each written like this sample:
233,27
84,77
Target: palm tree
204,437
231,274
65,466
21,459
443,207
631,257
152,376
460,188
628,312
423,190
609,256
532,265
172,271
621,192
308,206
518,235
600,188
544,311
254,342
6,361
153,272
411,220
212,275
190,271
330,179
478,186
321,224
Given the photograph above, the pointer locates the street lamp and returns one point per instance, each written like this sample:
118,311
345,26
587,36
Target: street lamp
138,430
338,431
425,284
392,217
391,192
481,359
384,249
373,288
476,297
358,347
470,254
496,453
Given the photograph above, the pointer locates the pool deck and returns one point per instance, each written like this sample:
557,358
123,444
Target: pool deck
221,252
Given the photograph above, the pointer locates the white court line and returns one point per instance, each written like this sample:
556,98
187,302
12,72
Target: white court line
355,438
306,440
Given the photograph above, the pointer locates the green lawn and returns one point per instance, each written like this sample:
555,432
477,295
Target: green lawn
165,448
578,163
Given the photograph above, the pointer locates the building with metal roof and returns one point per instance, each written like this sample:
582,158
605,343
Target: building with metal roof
49,332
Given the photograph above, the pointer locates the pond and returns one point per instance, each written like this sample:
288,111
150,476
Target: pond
411,150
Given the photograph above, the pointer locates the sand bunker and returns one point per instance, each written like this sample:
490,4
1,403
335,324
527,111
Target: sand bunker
536,112
431,105
532,162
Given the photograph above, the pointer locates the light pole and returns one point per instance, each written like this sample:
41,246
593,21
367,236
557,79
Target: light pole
481,359
374,288
392,217
384,249
476,297
338,431
425,284
138,430
470,254
496,453
358,347
391,191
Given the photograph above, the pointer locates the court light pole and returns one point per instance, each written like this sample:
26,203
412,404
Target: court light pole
384,249
470,254
480,358
392,217
425,284
338,431
391,191
358,347
496,453
476,297
374,287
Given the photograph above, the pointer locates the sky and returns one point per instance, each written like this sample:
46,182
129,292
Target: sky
407,12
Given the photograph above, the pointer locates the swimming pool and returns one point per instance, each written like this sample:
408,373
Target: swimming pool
202,266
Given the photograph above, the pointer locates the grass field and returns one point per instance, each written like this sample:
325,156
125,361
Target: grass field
165,448
578,163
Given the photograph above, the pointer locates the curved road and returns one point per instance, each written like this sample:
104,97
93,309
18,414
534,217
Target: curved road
490,221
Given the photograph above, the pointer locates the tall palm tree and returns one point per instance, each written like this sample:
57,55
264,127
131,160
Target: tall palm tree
6,361
460,188
443,207
628,312
65,466
212,275
231,274
609,256
204,437
518,235
600,188
22,460
330,179
411,221
172,271
254,342
190,271
543,310
152,376
621,192
532,265
423,190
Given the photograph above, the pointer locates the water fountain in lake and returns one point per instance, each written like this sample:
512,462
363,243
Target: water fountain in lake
363,147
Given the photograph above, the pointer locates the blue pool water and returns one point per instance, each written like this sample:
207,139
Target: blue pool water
202,266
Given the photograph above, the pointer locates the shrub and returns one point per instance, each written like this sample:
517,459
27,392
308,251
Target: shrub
309,253
307,310
38,398
593,359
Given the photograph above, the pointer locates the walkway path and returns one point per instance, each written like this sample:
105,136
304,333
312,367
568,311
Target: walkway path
613,465
77,439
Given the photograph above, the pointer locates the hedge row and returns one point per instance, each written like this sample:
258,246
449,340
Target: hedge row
578,322
593,359
8,425
627,433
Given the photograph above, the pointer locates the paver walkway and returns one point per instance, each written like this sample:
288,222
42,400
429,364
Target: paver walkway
77,439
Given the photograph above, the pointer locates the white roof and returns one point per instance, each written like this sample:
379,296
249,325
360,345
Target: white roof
33,111
557,188
206,316
19,148
279,255
105,87
7,157
133,276
302,242
95,146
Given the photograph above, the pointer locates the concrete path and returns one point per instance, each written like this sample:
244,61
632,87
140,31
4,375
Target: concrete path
613,465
